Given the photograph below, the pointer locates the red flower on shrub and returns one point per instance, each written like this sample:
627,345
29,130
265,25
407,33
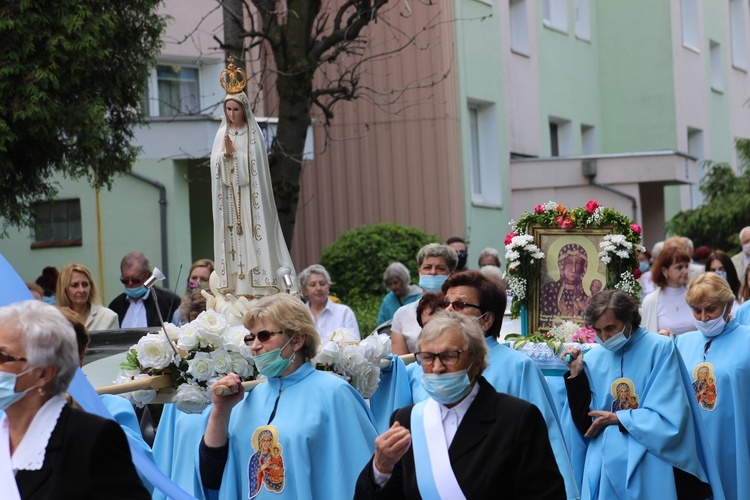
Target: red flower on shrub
636,273
635,228
509,237
591,206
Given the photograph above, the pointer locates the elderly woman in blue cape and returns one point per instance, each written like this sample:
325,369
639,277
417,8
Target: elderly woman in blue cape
658,450
718,355
322,427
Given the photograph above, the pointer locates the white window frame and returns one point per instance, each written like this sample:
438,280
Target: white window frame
555,15
583,19
716,66
519,27
689,18
564,136
153,90
737,34
697,149
486,189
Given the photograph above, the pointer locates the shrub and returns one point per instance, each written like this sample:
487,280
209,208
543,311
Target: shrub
357,259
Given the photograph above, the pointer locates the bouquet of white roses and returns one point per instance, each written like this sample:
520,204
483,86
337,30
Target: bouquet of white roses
357,362
195,355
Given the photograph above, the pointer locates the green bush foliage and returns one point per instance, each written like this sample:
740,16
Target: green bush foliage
357,259
726,207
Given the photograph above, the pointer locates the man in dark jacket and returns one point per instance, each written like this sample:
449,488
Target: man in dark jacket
135,307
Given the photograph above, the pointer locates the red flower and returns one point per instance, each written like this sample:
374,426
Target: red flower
539,209
509,237
635,228
565,222
591,206
636,273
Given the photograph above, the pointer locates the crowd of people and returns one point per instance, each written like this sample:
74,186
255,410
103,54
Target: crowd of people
659,409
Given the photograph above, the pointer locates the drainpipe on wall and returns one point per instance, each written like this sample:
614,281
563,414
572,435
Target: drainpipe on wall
162,219
588,169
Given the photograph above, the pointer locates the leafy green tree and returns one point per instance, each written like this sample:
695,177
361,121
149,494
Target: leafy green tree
72,76
357,259
726,207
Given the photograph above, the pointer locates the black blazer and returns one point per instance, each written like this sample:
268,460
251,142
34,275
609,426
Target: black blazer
87,457
501,450
168,304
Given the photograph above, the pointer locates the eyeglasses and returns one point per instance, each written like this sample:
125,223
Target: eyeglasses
130,281
263,336
6,358
458,305
446,357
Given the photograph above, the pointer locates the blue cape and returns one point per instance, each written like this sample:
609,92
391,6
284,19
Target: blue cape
393,393
665,431
728,423
325,429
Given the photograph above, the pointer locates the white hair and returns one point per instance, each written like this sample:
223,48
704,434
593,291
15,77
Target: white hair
48,337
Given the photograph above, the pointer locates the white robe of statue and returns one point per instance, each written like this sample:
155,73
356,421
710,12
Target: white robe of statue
249,247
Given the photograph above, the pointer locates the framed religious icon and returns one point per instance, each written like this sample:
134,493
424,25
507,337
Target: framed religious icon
569,274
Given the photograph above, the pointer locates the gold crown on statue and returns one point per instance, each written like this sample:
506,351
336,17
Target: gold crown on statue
233,79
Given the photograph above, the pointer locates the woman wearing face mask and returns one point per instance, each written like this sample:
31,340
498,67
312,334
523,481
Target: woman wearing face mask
721,263
717,356
77,290
498,443
661,446
644,265
47,448
665,310
435,263
323,427
199,274
397,281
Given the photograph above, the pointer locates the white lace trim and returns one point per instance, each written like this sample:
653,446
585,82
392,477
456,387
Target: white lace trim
33,447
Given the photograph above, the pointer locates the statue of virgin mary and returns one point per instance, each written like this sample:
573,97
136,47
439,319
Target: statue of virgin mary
249,247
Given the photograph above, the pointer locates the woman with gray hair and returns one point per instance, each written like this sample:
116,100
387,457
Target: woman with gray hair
397,280
48,449
497,443
315,283
631,402
717,355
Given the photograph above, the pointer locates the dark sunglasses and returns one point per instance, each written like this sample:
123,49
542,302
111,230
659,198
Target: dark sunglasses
6,358
446,357
458,305
263,336
130,281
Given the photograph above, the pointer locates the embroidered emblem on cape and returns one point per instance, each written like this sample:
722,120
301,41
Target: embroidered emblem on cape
266,466
704,385
623,390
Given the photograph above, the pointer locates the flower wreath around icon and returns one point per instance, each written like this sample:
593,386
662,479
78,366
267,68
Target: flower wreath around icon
618,251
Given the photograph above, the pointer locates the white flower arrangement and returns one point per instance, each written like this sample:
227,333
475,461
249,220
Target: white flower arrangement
356,362
207,349
519,247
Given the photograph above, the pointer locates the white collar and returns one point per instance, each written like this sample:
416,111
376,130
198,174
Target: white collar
461,408
31,451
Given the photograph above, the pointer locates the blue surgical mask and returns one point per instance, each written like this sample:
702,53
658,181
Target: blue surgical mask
447,388
722,273
136,293
615,342
644,266
49,300
712,327
271,364
432,282
8,394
